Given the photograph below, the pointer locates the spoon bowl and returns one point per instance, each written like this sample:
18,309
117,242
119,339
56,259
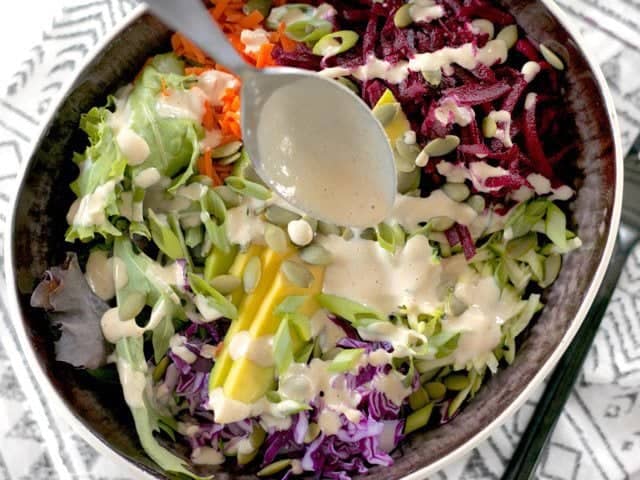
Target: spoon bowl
311,139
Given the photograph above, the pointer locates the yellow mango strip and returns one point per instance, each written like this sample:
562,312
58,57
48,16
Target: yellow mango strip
246,381
270,261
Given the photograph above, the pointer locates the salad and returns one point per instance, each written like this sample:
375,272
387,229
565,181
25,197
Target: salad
258,339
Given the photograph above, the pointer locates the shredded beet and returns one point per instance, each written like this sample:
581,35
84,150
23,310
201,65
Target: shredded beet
468,246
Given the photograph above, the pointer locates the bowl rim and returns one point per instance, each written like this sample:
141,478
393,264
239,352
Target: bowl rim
58,405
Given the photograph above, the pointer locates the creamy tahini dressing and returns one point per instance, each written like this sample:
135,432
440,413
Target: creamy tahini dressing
450,112
425,10
258,350
99,274
503,121
133,383
467,56
411,211
133,146
301,158
477,172
88,211
178,348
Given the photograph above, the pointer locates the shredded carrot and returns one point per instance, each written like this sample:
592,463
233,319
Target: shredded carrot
209,116
219,8
288,45
163,88
252,21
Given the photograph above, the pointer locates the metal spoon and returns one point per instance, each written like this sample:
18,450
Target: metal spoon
310,138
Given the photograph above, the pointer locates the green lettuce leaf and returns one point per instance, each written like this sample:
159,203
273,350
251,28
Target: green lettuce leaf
173,142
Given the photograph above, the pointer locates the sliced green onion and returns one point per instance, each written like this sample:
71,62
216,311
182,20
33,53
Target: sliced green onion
458,401
193,237
418,419
229,197
518,247
290,304
301,324
551,57
213,204
214,298
304,354
345,360
335,43
247,188
308,30
536,264
282,347
556,226
518,276
217,234
263,6
347,309
386,237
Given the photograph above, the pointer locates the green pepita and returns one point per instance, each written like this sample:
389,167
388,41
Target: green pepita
326,228
440,224
509,35
312,432
439,147
225,284
408,181
297,273
263,6
433,77
418,419
456,382
280,216
274,468
386,113
402,17
418,399
230,159
316,254
489,127
435,390
229,197
226,150
456,191
551,57
276,238
251,275
349,84
477,203
458,401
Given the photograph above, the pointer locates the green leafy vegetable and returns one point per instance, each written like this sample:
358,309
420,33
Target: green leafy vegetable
214,298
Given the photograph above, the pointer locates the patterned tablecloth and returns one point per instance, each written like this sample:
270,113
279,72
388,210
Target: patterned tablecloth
598,436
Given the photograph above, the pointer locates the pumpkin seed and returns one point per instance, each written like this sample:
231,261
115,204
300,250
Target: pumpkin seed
440,224
225,284
551,269
418,399
276,238
551,57
280,216
409,150
489,127
402,17
439,147
456,382
229,197
203,179
436,390
347,233
386,113
326,228
226,150
274,468
484,26
251,274
312,432
456,191
403,164
408,180
316,254
433,77
422,159
313,223
477,203
297,273
349,84
230,159
509,35
369,234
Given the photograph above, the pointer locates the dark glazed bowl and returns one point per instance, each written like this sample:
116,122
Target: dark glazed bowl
97,410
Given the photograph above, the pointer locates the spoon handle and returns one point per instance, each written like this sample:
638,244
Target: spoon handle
193,19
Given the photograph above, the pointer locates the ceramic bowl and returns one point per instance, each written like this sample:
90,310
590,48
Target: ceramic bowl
97,410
